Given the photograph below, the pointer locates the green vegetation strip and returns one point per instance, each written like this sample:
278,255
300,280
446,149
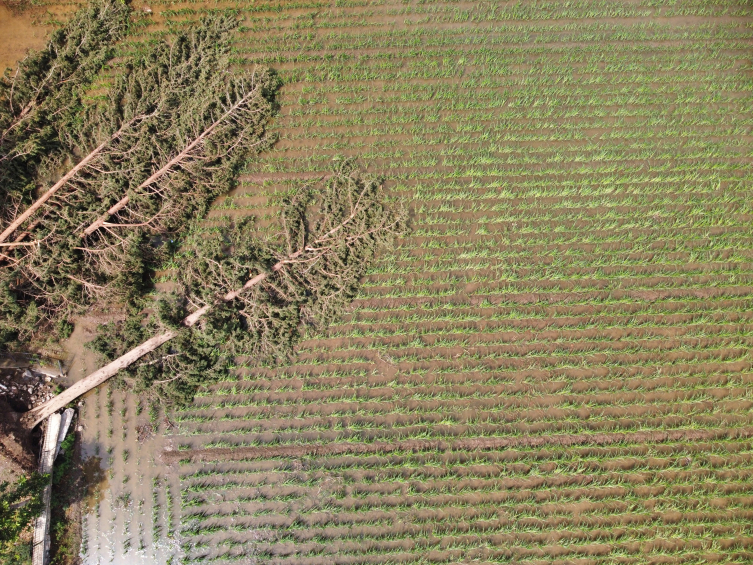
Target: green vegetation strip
472,444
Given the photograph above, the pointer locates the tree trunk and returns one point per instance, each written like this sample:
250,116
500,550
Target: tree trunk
58,185
41,536
36,415
180,157
119,205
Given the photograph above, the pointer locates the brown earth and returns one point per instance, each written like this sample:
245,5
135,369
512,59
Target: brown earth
20,32
675,355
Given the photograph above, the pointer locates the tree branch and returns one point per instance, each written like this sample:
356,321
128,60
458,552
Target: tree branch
62,182
180,157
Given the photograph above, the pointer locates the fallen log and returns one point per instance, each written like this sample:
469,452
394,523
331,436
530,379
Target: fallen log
41,540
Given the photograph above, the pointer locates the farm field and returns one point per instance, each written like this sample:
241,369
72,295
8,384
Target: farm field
552,366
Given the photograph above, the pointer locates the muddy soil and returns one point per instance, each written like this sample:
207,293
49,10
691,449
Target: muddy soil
20,32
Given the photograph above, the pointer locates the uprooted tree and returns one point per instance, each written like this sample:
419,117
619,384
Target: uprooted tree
239,295
171,135
143,165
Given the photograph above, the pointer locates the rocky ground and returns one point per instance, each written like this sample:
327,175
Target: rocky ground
24,384
25,388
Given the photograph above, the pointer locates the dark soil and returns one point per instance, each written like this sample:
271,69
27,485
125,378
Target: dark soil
17,446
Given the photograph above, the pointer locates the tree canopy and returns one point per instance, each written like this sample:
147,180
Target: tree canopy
44,93
171,135
142,165
328,237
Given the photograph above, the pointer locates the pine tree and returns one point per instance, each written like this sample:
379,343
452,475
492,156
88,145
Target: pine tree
240,295
172,135
44,91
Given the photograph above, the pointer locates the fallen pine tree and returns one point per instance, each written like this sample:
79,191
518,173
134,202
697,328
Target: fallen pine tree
238,295
171,135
